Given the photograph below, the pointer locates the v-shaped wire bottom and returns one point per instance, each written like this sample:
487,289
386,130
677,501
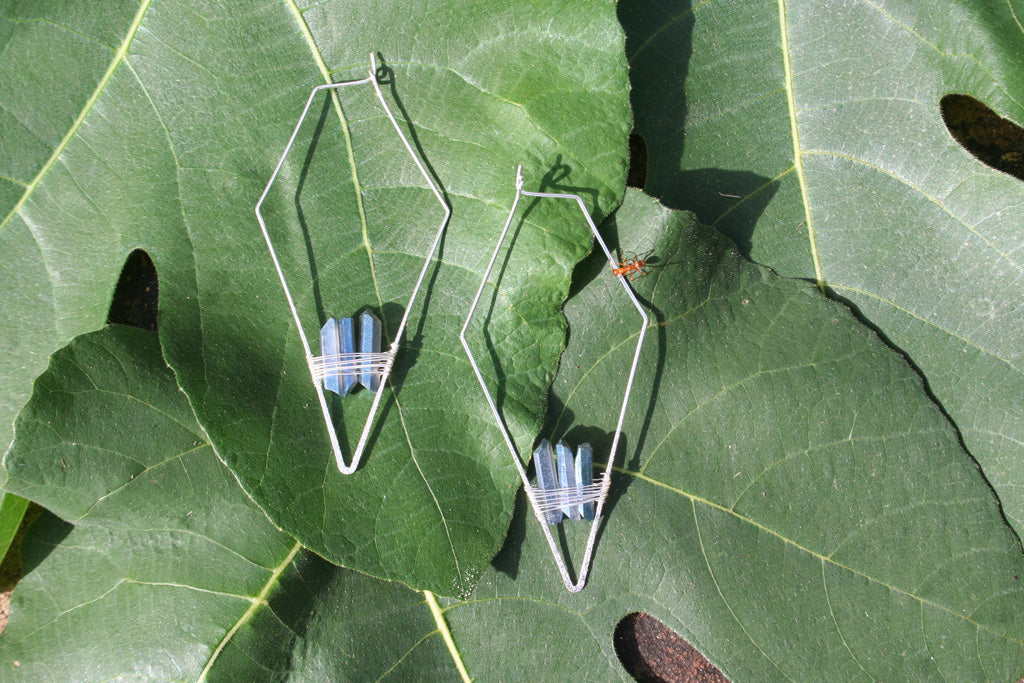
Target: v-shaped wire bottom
588,553
365,435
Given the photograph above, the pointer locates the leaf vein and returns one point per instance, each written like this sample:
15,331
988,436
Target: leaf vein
945,330
760,527
835,622
721,594
257,602
921,191
794,128
119,57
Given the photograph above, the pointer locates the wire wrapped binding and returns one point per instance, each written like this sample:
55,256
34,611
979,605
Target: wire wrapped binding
322,366
546,500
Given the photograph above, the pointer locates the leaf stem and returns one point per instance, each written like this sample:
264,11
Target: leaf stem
442,626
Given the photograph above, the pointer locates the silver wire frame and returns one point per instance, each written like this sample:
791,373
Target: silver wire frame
533,494
310,358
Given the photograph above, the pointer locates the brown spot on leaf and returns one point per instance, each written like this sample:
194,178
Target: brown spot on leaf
653,653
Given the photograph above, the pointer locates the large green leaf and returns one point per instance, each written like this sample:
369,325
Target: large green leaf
46,298
170,151
114,616
165,541
811,133
790,501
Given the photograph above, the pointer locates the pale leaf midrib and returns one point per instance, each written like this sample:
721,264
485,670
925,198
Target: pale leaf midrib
118,59
357,187
325,73
794,130
260,600
446,634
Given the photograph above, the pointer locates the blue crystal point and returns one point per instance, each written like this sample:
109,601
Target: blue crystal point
349,379
369,342
543,462
567,479
329,344
585,477
337,338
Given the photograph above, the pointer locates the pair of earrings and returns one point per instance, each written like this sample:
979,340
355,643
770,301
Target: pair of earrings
566,487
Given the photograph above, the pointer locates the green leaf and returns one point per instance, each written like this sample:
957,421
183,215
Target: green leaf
790,500
46,299
166,541
829,159
181,625
170,151
834,532
12,511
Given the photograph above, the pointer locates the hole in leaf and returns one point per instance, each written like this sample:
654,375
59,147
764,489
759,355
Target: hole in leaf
653,653
986,135
637,174
135,297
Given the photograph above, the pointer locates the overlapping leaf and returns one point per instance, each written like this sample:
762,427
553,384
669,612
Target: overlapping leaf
165,541
169,152
790,500
829,159
834,532
39,274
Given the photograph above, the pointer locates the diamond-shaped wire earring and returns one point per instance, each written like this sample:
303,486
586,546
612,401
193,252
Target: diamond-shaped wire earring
341,366
568,489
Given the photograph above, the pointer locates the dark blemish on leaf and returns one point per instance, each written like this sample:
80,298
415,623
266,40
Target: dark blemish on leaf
135,297
990,138
637,175
653,653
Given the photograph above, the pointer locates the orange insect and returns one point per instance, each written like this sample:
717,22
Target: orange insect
633,267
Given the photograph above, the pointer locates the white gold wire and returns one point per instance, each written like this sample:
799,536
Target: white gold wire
353,363
558,498
539,499
384,363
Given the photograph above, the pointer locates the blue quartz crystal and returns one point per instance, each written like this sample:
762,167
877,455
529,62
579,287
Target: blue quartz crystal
349,378
329,347
337,337
567,479
543,461
369,342
585,477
